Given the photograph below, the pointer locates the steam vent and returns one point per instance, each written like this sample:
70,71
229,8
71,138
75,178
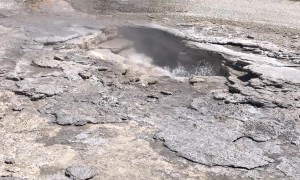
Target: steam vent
142,90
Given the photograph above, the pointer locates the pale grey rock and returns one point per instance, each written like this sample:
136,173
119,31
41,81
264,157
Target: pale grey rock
84,75
116,45
286,74
197,79
65,118
80,172
166,93
37,90
290,167
48,90
9,161
220,95
107,55
46,63
51,40
14,77
214,145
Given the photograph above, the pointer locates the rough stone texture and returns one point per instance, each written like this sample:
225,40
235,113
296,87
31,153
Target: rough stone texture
290,167
116,45
38,88
51,40
65,118
221,152
46,63
64,100
10,178
80,172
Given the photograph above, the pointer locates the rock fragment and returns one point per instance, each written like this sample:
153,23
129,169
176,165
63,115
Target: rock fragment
65,118
148,80
59,58
197,79
52,40
153,96
250,37
116,45
80,172
84,75
9,161
102,68
37,91
45,63
166,93
14,77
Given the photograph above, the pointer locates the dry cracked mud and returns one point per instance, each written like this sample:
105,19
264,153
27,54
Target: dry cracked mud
92,96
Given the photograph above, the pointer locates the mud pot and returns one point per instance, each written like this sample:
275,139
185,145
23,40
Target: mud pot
171,52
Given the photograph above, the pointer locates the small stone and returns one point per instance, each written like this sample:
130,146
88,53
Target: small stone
296,142
17,108
80,172
84,75
271,55
125,118
102,68
59,58
197,103
257,51
220,96
256,83
65,118
166,93
248,49
197,79
153,96
36,97
14,77
13,169
146,80
150,16
296,61
45,63
152,81
2,71
295,37
9,161
250,37
295,58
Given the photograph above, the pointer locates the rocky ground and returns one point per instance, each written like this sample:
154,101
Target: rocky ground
118,95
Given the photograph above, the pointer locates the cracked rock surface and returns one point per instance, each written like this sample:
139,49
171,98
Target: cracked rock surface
86,99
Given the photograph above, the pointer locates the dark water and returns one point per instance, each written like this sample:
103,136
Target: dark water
173,54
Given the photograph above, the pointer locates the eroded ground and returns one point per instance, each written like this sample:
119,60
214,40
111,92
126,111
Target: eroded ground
83,98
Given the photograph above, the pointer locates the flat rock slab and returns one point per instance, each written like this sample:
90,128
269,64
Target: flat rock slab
214,145
80,172
36,89
283,74
290,166
116,45
46,63
65,118
51,40
106,55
